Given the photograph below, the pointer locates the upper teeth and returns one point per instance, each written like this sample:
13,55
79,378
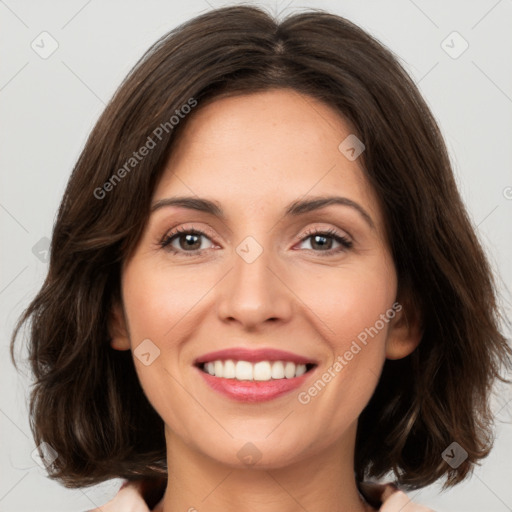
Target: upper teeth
262,370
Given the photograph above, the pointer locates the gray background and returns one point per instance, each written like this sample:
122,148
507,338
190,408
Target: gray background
48,106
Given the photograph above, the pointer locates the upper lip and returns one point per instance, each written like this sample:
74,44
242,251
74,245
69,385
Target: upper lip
253,355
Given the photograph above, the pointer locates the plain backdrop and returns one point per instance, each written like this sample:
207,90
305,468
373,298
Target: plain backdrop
49,104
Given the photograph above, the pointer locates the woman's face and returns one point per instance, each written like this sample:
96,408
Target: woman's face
257,280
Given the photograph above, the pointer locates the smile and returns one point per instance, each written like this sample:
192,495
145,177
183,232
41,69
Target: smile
254,375
261,371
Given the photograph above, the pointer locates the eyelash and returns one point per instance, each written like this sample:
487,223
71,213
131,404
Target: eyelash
345,243
328,233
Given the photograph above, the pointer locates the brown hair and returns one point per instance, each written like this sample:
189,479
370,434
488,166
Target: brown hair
424,402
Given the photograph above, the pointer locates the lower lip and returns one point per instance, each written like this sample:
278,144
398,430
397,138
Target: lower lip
253,391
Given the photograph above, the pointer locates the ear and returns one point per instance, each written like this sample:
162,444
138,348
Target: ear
118,330
405,331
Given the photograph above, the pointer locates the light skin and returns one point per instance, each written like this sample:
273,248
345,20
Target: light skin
254,155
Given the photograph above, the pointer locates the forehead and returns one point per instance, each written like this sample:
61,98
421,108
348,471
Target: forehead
264,149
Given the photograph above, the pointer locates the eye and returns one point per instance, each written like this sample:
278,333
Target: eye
324,239
184,241
188,241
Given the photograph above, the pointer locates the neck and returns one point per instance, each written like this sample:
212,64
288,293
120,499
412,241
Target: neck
324,481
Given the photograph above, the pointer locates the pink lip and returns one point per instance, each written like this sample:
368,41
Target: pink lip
253,391
255,355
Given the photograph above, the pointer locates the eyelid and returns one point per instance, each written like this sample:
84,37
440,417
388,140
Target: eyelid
185,228
344,241
331,230
165,242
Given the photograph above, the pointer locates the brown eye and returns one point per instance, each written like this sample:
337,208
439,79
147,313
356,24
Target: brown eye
184,241
322,241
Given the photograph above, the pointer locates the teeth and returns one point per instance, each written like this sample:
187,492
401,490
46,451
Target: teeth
301,370
229,371
260,371
277,371
210,368
289,370
243,371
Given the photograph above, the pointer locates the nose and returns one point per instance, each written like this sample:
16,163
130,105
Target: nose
254,293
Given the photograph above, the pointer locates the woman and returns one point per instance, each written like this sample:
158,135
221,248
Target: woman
264,289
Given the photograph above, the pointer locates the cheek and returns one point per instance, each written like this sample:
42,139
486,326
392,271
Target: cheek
353,309
160,301
156,305
347,300
163,305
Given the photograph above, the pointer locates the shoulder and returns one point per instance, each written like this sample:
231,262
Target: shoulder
389,498
129,498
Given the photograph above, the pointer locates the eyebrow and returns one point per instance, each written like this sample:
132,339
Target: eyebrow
294,209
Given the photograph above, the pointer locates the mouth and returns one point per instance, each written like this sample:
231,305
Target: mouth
261,371
254,375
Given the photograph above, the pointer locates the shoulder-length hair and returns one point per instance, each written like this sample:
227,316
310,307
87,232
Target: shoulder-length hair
87,402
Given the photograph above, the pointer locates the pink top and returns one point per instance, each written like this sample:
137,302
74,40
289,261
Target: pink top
130,498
